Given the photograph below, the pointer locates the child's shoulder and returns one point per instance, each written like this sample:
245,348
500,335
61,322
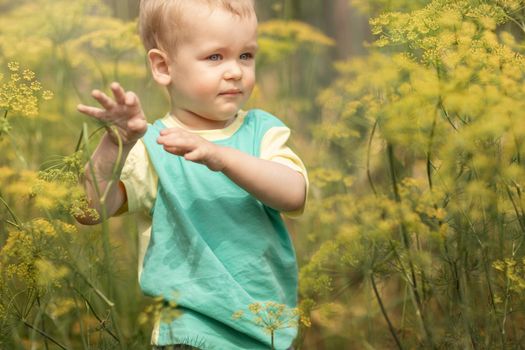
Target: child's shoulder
263,119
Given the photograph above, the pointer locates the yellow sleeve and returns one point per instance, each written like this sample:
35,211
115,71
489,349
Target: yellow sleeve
274,147
139,179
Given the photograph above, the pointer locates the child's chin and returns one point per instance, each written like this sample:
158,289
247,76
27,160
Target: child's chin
225,114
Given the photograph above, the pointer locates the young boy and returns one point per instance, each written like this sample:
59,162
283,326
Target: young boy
210,177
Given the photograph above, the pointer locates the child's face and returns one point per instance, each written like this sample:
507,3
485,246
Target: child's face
213,66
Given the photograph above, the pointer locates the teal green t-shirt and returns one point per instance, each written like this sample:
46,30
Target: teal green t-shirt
215,249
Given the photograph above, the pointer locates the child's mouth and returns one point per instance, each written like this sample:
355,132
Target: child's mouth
232,92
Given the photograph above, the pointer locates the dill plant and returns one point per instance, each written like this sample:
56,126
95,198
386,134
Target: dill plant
35,259
71,46
423,220
52,293
271,317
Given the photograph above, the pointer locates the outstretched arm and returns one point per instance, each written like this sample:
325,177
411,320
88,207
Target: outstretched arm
274,184
127,124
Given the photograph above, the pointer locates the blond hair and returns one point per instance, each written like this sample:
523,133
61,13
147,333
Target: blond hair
161,20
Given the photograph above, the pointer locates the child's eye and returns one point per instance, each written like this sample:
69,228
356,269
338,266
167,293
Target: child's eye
246,56
215,57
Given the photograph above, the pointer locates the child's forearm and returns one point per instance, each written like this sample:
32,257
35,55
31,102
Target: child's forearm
274,184
102,180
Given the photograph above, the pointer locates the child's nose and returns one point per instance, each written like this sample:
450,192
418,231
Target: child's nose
234,71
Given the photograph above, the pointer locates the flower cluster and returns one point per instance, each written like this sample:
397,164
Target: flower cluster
514,272
21,93
55,190
272,316
33,253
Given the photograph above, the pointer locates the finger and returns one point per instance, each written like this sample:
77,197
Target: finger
118,92
174,131
103,99
174,150
131,100
195,156
177,141
91,111
169,141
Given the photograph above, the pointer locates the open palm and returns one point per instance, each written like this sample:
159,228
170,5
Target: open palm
124,114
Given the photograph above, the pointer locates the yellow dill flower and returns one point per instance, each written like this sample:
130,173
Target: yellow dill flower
28,74
48,195
272,316
33,254
322,177
21,93
66,228
47,94
511,5
255,308
45,227
514,271
36,86
13,66
15,77
238,314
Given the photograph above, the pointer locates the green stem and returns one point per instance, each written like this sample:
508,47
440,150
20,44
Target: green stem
447,117
505,305
390,152
42,321
44,334
518,215
79,142
11,212
429,152
82,331
100,320
81,136
12,223
105,223
369,150
95,289
406,243
385,314
31,302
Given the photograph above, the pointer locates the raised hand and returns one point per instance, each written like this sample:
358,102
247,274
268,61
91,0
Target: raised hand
192,147
124,113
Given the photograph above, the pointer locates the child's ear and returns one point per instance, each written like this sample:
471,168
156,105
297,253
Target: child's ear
160,66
